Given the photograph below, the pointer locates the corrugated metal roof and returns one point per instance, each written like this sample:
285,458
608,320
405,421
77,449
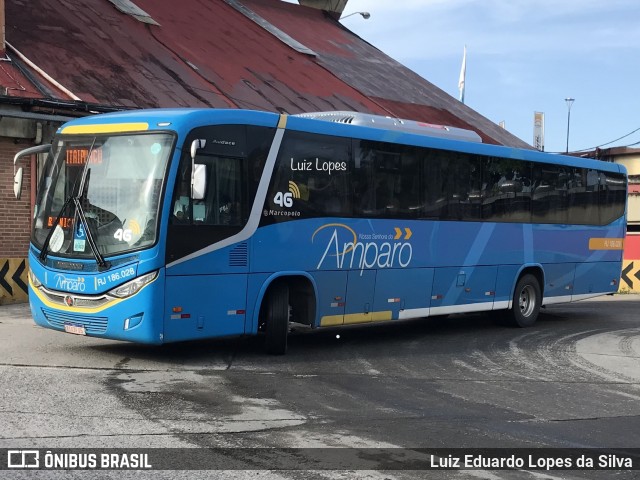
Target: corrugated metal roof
210,54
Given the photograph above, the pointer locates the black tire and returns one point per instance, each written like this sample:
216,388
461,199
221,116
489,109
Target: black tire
277,319
527,300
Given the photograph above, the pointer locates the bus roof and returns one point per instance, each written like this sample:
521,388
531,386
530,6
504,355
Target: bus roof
182,120
392,123
176,119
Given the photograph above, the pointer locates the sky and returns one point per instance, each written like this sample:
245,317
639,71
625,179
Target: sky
523,56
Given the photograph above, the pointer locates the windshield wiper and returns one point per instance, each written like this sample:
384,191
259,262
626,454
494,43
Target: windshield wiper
45,245
102,263
86,172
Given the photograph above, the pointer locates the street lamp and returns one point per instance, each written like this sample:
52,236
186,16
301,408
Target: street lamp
569,101
365,15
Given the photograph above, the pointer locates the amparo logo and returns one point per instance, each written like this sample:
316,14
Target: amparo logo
347,249
70,284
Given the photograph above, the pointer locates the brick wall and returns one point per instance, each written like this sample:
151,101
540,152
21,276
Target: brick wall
15,215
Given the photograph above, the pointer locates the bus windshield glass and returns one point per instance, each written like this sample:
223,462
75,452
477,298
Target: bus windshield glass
118,190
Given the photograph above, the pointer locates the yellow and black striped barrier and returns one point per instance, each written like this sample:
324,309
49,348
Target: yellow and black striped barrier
13,280
630,277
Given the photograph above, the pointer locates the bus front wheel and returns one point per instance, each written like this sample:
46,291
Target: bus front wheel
527,300
277,319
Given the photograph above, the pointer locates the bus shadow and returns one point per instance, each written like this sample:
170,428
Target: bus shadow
454,333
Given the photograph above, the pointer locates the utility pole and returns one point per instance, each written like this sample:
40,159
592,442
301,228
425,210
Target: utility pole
569,101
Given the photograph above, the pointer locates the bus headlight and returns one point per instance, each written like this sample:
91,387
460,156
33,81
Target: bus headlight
33,279
132,287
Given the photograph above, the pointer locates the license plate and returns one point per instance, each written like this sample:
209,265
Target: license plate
75,329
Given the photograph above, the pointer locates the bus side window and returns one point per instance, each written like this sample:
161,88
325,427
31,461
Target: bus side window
387,180
387,183
364,179
312,177
506,190
432,185
411,202
550,199
222,204
613,196
181,203
452,186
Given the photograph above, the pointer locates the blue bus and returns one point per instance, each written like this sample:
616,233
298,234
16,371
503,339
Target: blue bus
169,225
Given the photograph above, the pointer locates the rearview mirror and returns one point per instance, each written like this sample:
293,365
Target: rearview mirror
199,181
196,145
17,183
198,171
17,174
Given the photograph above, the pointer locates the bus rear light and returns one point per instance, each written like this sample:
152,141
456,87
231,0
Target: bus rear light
176,309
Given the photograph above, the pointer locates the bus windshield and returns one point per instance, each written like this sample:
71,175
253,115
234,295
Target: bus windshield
118,190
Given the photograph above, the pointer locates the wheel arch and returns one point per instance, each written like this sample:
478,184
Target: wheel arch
534,269
302,289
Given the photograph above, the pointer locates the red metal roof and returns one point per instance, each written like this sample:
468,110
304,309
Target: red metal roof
220,53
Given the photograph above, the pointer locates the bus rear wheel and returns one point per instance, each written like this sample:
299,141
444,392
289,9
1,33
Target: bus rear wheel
527,300
277,319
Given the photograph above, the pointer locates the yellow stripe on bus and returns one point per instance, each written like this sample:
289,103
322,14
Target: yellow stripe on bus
331,320
65,308
106,128
75,309
353,318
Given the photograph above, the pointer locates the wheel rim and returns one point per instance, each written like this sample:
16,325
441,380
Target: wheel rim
527,300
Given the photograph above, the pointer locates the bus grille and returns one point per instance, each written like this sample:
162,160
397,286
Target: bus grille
91,324
88,301
238,256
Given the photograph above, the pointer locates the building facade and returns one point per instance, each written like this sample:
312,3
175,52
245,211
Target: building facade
630,158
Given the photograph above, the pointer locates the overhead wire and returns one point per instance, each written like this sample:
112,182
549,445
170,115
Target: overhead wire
612,141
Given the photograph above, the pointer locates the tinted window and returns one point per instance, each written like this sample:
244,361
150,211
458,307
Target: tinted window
583,196
233,157
311,178
258,141
506,190
386,180
613,195
223,202
452,186
550,193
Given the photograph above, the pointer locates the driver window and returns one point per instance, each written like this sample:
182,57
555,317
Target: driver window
222,204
